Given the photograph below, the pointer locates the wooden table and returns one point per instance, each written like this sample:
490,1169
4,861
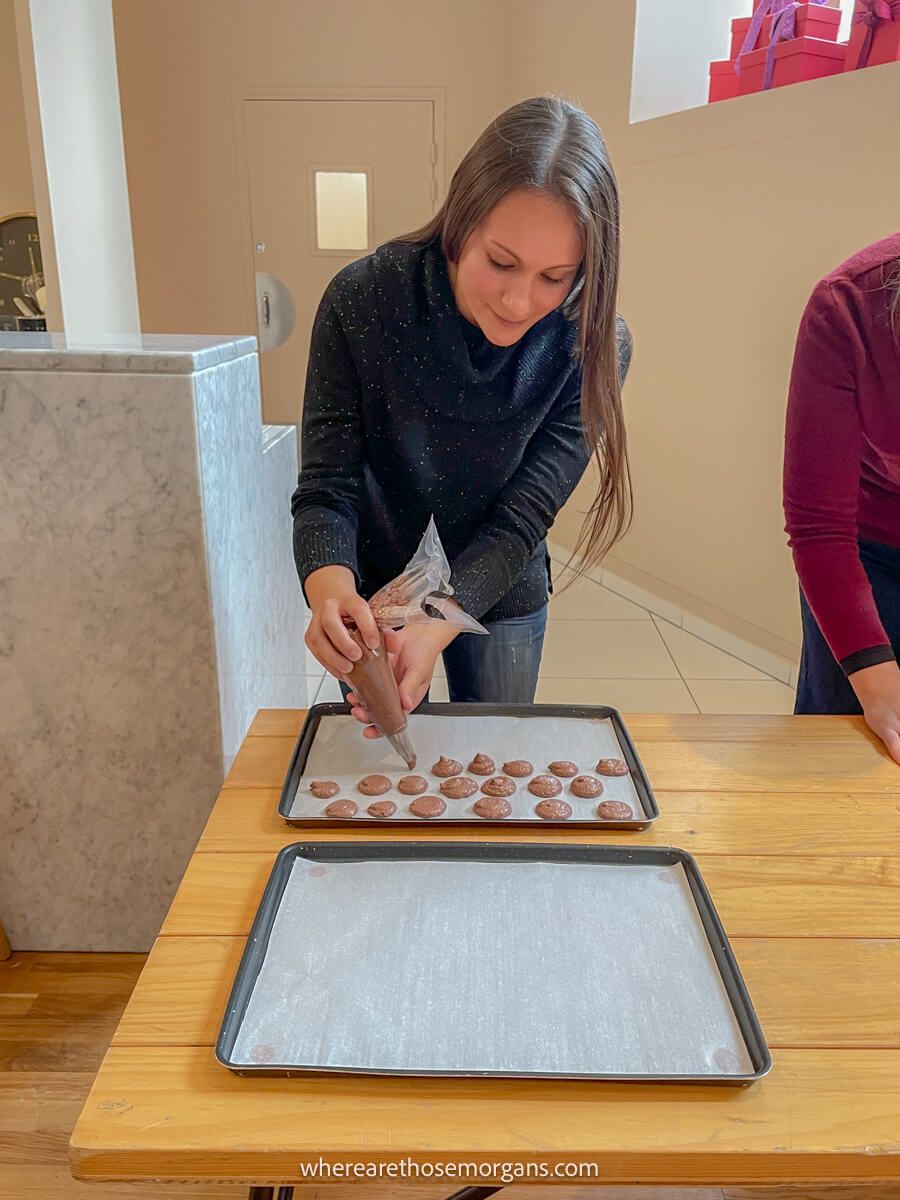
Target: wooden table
795,823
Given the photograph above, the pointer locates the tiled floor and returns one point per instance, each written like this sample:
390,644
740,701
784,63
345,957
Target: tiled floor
603,649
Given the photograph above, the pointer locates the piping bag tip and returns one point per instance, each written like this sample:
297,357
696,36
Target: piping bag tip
402,743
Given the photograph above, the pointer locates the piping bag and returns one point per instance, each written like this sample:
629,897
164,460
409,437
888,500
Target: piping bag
421,593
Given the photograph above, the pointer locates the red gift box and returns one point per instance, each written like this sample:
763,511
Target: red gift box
796,61
875,36
818,21
813,20
723,82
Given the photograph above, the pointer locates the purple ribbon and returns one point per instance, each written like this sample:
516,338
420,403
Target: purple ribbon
784,27
773,8
872,13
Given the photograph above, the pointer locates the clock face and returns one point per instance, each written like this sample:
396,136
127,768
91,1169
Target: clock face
21,269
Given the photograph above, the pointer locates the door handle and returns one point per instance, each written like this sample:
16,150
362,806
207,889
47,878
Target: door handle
275,313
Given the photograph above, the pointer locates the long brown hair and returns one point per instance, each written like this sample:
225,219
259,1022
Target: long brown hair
551,145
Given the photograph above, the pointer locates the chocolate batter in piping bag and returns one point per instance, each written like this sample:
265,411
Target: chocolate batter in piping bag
421,593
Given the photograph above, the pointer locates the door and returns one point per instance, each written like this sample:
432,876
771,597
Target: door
329,181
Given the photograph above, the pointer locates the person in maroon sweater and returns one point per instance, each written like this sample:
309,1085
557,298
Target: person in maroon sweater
842,491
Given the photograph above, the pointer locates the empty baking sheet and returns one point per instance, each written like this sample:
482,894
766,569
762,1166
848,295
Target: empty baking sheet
488,959
331,746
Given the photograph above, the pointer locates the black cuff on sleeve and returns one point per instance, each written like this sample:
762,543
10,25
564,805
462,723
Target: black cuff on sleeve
869,657
323,542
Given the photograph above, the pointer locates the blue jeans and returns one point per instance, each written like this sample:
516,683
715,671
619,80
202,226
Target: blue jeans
499,669
823,687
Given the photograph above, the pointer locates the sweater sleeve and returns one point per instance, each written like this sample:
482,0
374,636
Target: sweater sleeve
325,505
823,447
554,461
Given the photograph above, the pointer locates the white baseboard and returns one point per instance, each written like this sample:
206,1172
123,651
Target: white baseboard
756,656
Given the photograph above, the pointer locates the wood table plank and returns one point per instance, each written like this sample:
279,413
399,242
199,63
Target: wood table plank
780,766
806,991
823,991
261,762
181,996
699,822
277,722
756,896
757,728
174,1112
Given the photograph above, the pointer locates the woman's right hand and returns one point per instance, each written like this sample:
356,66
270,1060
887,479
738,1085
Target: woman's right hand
878,691
332,596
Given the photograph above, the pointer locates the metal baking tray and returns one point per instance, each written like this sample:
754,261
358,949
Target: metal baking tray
490,959
331,746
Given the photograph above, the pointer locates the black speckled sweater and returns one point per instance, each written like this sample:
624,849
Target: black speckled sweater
409,411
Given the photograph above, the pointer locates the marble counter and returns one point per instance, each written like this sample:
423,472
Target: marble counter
154,353
148,607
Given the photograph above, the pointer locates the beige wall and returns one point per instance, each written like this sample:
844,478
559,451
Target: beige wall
16,191
731,214
178,64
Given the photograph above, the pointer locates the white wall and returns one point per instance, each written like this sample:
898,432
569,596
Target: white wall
76,79
673,47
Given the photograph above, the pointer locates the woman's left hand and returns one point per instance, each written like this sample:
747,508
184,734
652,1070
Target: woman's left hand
414,653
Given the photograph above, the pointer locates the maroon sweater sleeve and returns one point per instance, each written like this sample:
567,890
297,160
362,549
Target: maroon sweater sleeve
823,443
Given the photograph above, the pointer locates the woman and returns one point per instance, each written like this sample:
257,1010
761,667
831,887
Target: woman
842,491
469,370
